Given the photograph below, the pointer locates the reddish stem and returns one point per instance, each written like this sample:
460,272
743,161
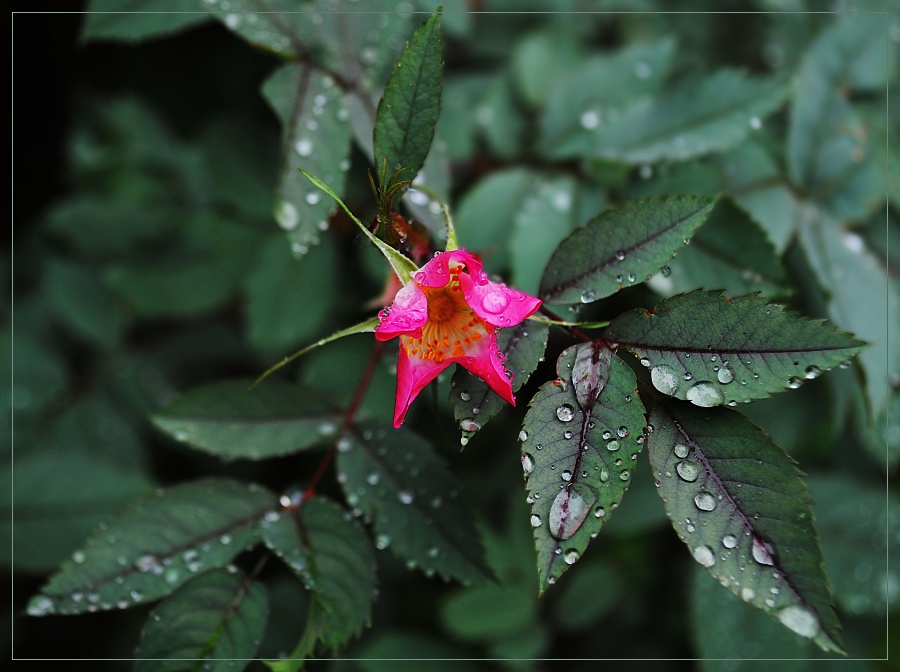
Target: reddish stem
349,416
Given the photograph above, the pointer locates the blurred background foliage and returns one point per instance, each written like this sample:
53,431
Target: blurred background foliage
145,260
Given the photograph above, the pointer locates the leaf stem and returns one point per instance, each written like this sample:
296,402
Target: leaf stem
349,418
575,331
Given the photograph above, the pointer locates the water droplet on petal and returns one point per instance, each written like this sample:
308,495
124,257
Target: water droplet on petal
495,302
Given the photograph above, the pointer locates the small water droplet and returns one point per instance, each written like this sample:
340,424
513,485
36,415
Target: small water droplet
729,541
794,382
382,541
565,413
747,594
566,475
813,372
725,375
571,556
535,520
762,552
599,512
755,123
588,296
313,197
523,435
78,557
612,446
304,147
590,120
405,497
622,432
681,450
465,396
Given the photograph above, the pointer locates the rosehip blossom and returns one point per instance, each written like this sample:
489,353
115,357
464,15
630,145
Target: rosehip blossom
448,313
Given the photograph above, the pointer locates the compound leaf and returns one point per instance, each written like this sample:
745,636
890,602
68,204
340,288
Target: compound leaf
218,618
621,247
737,501
709,349
406,491
580,440
156,545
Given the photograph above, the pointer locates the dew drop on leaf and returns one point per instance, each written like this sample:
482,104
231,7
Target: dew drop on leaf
535,520
704,394
681,450
687,471
527,463
612,446
567,513
725,375
523,435
704,555
729,541
800,620
794,382
747,594
705,501
622,432
664,379
565,413
813,372
571,556
405,497
762,552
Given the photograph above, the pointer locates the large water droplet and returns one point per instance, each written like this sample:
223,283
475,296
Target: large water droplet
565,413
527,463
681,450
687,471
612,446
705,501
495,302
567,513
762,552
704,555
813,372
704,394
535,520
571,556
800,620
729,541
287,216
747,594
725,375
523,435
664,379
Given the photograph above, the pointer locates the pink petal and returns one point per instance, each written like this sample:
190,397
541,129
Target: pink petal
436,273
497,304
486,365
407,315
413,374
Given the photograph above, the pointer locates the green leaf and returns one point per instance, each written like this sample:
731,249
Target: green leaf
545,218
828,141
541,60
858,524
313,115
729,252
724,626
700,116
473,401
860,297
409,109
156,545
329,551
580,440
38,374
487,213
289,300
487,613
280,28
78,299
596,92
621,247
709,349
406,491
218,617
136,20
229,420
736,500
57,498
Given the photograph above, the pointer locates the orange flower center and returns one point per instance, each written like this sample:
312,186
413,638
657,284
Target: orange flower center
452,325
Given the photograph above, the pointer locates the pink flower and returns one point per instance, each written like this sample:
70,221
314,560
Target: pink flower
448,313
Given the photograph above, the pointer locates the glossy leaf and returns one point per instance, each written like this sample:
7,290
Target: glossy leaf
593,95
330,553
231,421
409,109
472,401
408,494
156,545
729,252
621,247
736,500
218,618
859,296
580,441
710,349
313,115
698,117
130,21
